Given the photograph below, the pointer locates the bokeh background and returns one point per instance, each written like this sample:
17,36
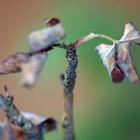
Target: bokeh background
103,110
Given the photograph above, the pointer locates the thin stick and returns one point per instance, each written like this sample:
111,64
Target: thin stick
91,36
68,81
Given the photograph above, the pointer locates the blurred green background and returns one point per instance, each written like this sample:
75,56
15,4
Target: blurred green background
103,110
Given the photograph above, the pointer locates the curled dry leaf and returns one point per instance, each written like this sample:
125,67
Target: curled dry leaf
46,124
131,34
107,54
126,63
12,63
46,37
118,61
31,69
9,131
39,40
33,117
117,58
31,65
22,125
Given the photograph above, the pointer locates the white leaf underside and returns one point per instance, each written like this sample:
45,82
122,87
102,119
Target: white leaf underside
131,33
125,61
106,53
46,37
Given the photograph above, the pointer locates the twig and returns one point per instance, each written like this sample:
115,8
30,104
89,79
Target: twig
31,132
68,81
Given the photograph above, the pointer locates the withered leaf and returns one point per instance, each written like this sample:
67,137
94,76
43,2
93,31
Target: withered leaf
131,34
45,124
106,53
9,131
31,69
12,63
126,63
46,37
119,64
31,65
118,59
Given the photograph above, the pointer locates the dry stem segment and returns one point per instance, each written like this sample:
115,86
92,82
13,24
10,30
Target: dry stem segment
91,36
31,132
68,80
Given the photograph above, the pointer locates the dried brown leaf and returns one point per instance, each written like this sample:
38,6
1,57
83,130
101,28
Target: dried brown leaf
126,63
31,69
118,62
12,63
46,37
106,53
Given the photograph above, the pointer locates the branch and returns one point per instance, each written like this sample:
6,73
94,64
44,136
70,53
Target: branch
68,81
31,130
16,118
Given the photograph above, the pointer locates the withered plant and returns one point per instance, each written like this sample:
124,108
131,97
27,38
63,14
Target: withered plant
116,57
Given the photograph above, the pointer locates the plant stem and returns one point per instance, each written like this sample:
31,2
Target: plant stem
68,81
91,36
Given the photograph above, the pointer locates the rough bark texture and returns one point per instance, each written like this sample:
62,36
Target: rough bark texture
31,132
68,80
